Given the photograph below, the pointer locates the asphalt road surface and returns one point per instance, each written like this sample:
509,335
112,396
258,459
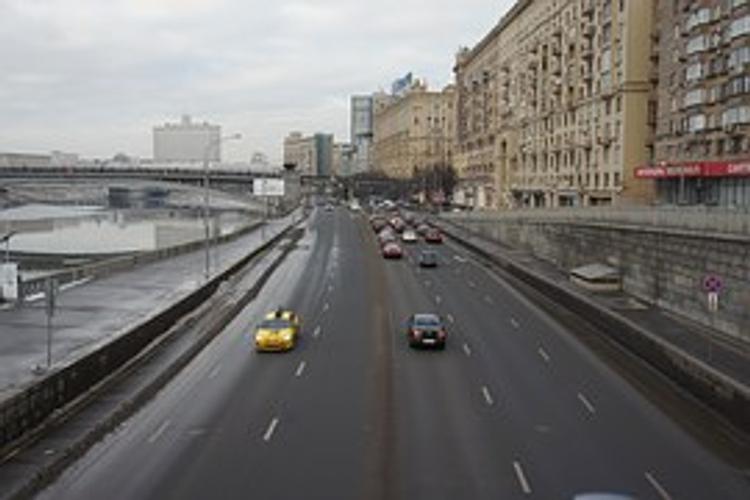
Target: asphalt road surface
514,407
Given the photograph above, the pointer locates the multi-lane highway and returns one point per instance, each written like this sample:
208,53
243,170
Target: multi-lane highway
514,407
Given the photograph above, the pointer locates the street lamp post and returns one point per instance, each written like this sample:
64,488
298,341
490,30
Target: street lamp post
6,239
206,200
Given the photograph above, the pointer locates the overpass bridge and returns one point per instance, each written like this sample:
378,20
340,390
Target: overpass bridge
194,176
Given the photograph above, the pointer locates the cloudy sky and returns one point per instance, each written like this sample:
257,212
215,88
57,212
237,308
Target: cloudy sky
93,76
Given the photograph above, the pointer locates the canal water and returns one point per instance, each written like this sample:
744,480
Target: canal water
66,230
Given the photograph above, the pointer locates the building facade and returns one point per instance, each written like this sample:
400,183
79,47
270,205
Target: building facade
187,141
311,155
343,163
413,132
555,106
702,138
361,132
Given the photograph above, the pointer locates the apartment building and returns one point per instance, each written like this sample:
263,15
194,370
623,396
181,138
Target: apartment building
703,128
413,131
556,104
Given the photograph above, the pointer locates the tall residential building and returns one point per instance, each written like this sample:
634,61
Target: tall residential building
324,154
361,123
187,141
413,131
703,127
311,155
554,105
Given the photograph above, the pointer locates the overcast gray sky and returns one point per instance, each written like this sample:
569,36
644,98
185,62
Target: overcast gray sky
93,76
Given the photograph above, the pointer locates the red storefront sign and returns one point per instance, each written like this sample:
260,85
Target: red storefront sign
698,169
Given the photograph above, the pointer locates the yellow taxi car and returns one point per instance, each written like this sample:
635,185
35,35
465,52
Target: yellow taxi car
278,331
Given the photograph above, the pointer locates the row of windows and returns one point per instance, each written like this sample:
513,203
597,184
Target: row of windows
732,116
734,87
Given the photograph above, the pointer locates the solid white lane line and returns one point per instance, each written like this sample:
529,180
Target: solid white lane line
544,355
316,332
214,372
157,434
451,319
300,369
525,487
271,429
658,487
515,323
586,403
487,396
467,350
460,259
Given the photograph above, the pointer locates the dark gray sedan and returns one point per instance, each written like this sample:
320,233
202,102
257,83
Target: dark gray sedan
426,330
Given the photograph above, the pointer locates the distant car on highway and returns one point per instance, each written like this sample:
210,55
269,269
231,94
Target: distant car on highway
392,250
409,236
428,258
433,236
329,208
386,236
426,330
278,331
422,229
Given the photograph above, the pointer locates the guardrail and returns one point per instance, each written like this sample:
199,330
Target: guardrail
698,219
28,409
728,397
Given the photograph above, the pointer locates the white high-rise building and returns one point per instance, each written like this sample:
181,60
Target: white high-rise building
187,141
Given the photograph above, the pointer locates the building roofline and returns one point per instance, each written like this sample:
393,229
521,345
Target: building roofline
505,20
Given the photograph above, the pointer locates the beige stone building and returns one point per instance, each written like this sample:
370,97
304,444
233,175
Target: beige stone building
703,131
414,131
555,106
300,151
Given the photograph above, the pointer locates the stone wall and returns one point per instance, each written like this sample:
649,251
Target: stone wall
662,266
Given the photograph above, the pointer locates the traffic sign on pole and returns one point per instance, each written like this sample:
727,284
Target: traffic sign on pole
713,283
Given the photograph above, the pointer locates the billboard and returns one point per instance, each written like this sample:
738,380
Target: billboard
401,85
9,281
268,187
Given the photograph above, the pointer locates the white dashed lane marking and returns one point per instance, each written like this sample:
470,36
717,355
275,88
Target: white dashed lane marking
270,430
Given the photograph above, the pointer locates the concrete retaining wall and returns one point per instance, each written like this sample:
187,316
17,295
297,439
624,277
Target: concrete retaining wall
726,396
662,266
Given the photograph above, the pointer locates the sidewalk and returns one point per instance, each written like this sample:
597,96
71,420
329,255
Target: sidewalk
91,313
728,356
